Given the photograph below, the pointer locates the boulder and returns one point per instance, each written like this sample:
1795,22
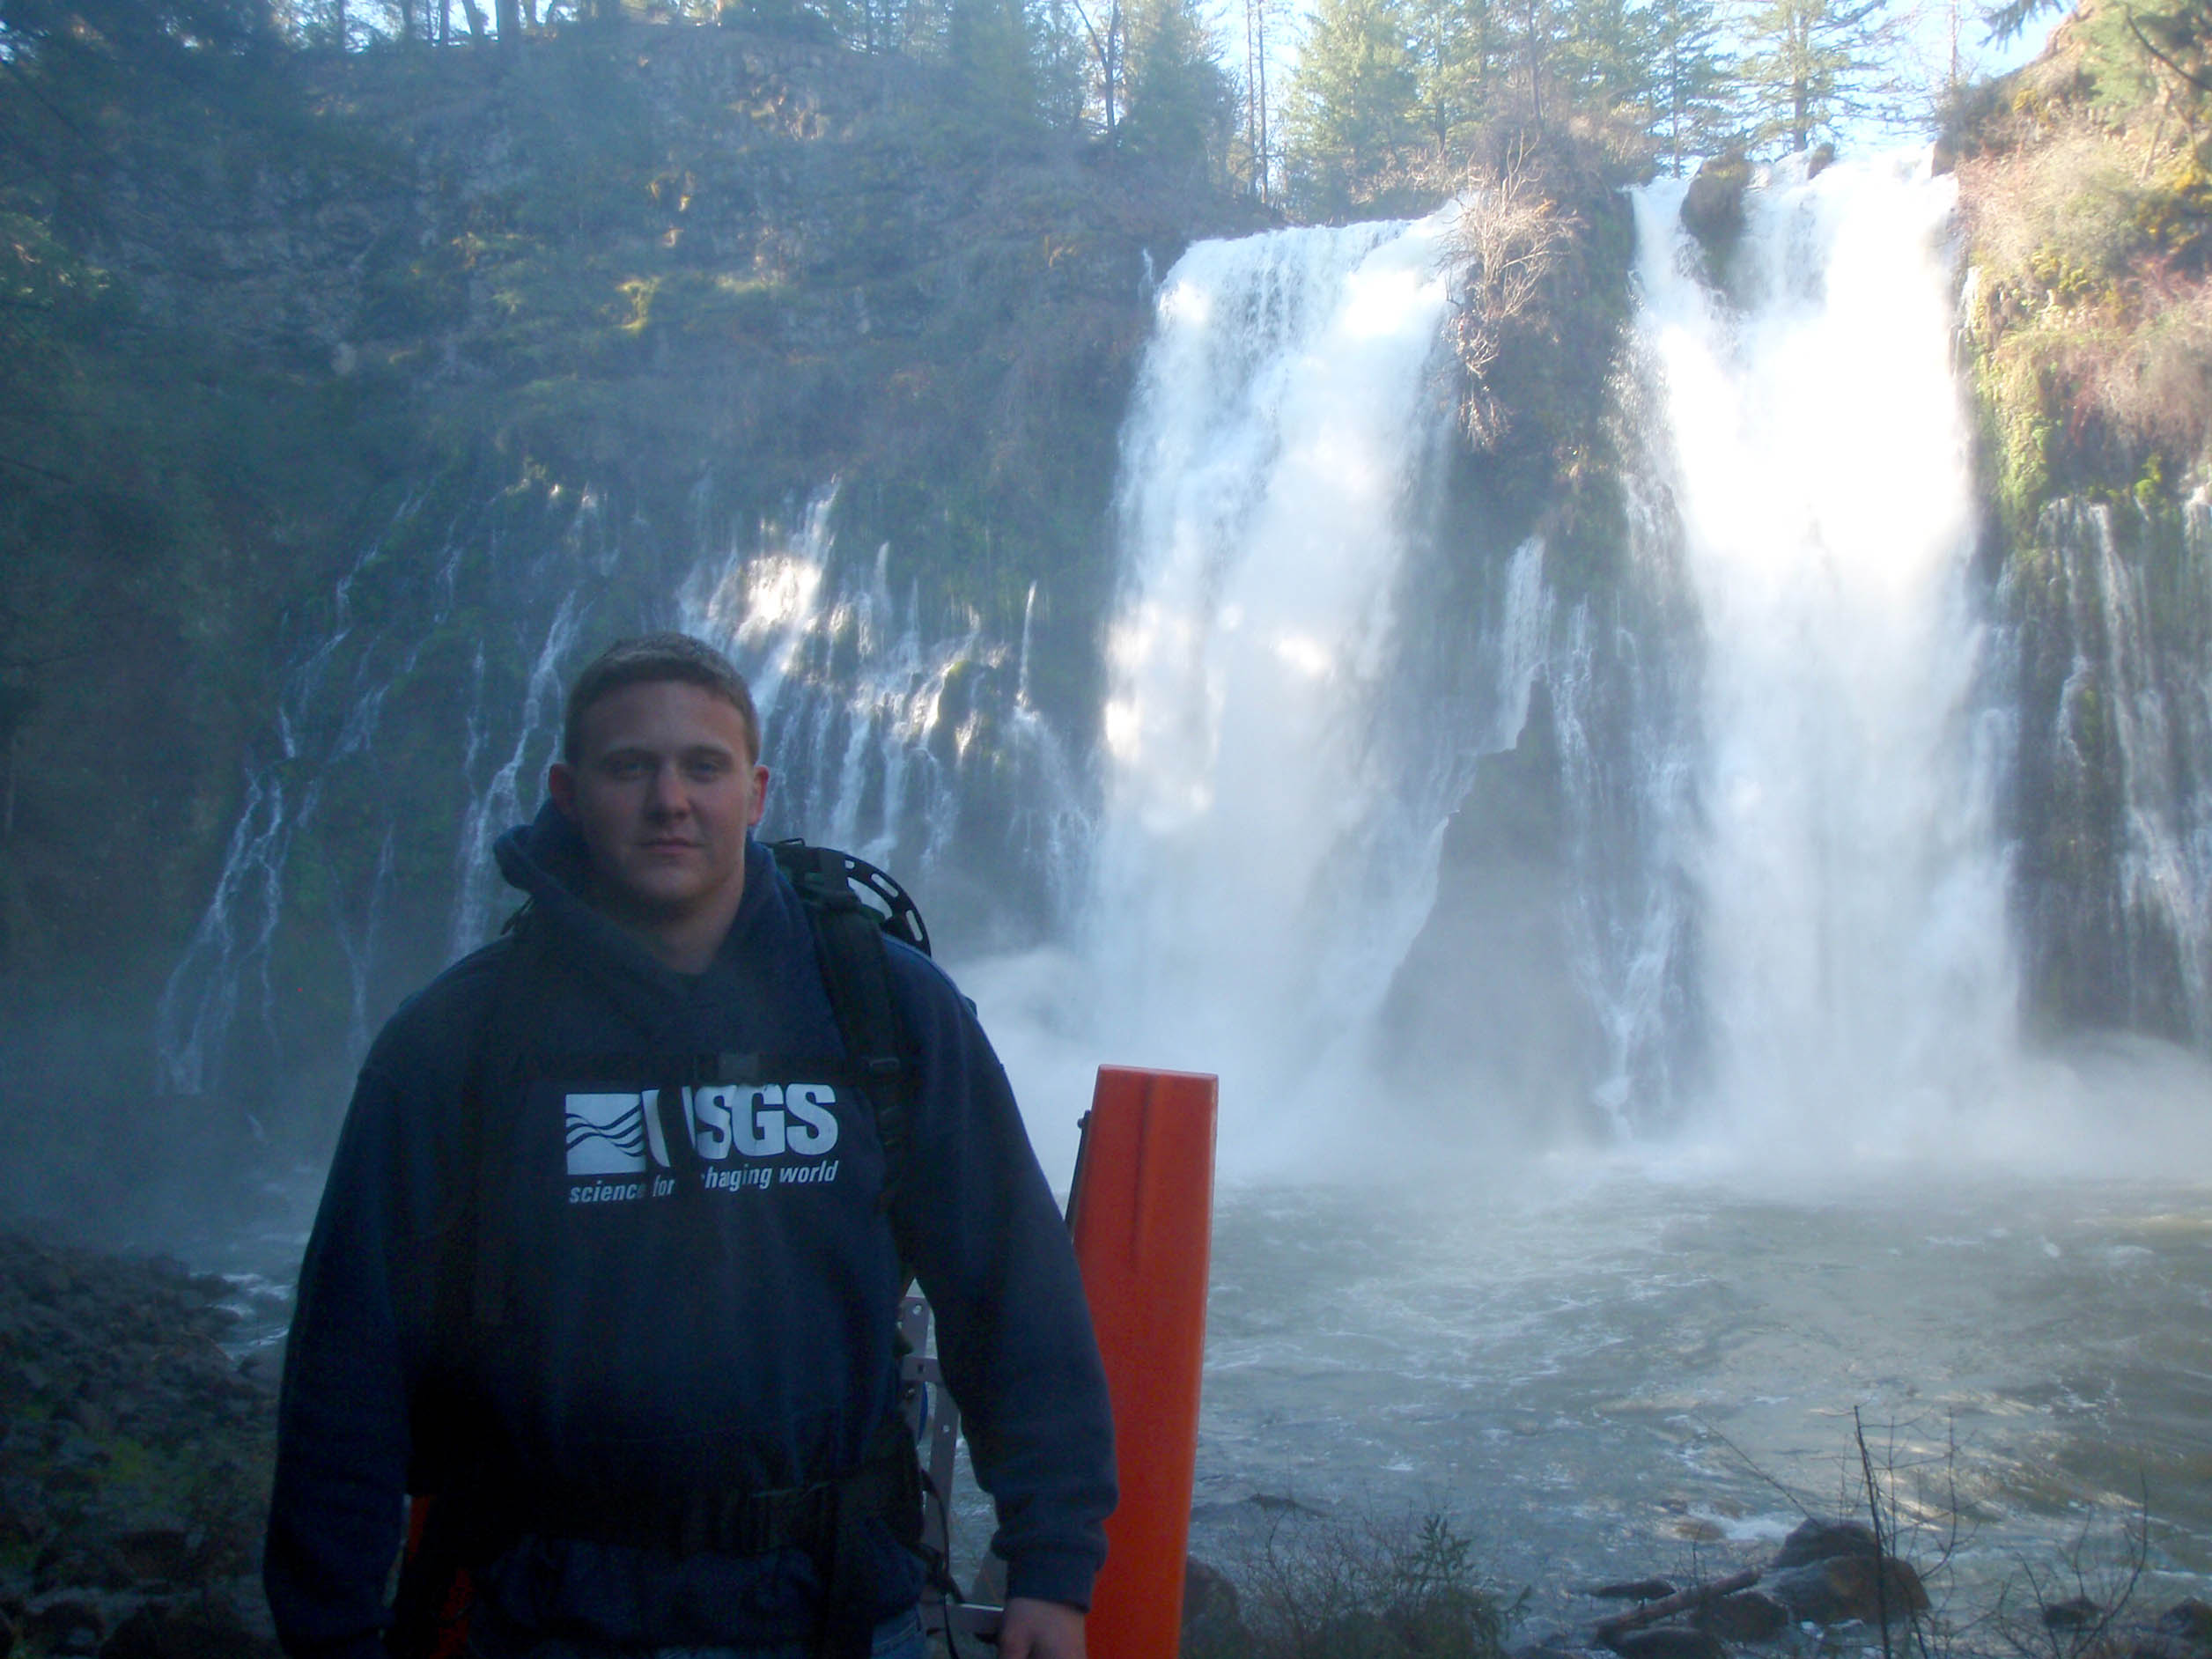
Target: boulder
1848,1587
1668,1641
1824,1540
79,1560
198,1628
1748,1615
1712,206
69,1621
1213,1624
2189,1622
2076,1613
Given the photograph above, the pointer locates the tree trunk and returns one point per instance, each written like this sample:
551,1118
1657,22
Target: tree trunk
475,16
510,16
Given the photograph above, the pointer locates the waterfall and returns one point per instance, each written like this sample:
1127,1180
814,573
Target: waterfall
1783,894
1267,821
2110,642
337,685
1817,453
856,688
1720,829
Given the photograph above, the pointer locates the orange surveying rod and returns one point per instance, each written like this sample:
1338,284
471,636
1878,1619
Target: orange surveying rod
1142,1214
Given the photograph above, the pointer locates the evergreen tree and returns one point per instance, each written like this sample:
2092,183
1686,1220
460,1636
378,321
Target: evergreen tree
1815,65
1353,114
1458,47
990,40
1179,99
1692,103
1606,57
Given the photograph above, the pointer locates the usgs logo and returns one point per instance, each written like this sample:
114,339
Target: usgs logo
619,1134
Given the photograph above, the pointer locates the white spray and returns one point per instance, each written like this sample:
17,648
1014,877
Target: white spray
1858,975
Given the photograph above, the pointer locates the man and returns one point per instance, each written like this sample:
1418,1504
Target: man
605,1260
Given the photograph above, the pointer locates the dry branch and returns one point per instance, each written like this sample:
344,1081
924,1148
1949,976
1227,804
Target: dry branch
1681,1601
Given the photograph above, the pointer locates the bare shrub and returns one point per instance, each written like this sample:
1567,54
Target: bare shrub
1371,1588
1510,238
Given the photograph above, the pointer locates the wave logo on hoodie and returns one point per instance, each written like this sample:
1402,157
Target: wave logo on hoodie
617,1134
606,1134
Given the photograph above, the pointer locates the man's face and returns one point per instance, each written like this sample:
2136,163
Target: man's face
663,788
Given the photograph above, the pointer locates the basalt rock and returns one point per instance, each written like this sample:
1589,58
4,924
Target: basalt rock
1748,1615
1213,1623
1668,1642
1848,1587
1712,206
2189,1622
1824,1540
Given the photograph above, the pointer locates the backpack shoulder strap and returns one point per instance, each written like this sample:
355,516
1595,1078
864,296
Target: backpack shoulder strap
849,945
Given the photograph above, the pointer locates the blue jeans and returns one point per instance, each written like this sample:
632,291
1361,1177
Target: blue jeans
898,1637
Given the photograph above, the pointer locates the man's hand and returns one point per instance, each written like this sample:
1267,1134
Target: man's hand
1040,1630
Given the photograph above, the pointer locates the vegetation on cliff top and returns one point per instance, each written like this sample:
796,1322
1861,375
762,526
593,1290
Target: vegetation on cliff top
2086,184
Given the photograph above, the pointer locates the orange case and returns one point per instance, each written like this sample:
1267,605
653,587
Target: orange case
1142,1214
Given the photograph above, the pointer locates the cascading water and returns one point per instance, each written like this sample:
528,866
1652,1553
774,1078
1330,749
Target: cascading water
856,703
1263,815
1857,967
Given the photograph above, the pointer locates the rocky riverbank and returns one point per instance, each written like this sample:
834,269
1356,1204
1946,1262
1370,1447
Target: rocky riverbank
134,1461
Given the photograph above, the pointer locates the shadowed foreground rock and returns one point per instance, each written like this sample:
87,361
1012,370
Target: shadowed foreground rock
135,1462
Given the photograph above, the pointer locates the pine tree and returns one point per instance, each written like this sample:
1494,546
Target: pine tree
1692,111
990,40
1606,57
1179,99
1816,65
1353,115
1458,47
1259,136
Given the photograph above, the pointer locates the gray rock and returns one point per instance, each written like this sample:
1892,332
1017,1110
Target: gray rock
1668,1641
196,1629
1822,1541
71,1621
2189,1621
1213,1623
1848,1587
1712,206
1750,1615
2078,1613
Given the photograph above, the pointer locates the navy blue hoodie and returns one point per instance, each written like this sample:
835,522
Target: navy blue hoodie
725,1330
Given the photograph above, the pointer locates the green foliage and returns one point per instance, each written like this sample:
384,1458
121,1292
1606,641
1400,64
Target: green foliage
1181,108
1456,47
1352,116
1692,93
2090,210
